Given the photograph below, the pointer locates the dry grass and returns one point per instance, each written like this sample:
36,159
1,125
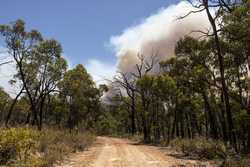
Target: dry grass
31,148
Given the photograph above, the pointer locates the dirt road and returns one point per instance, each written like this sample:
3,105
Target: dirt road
114,152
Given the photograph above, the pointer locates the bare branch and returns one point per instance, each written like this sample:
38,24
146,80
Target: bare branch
191,12
7,62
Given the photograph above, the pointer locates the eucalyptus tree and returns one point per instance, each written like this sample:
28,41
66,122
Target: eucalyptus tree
215,10
236,33
81,95
39,64
45,68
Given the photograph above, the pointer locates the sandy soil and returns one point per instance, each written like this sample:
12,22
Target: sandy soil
114,152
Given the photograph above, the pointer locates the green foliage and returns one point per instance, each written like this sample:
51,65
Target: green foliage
242,118
80,94
165,85
5,99
17,147
107,125
112,121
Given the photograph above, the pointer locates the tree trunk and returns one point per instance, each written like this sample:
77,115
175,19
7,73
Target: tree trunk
211,116
12,107
223,120
133,113
231,132
174,124
34,115
41,113
248,127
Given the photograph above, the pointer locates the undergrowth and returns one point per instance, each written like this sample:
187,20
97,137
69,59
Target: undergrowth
26,147
200,147
208,149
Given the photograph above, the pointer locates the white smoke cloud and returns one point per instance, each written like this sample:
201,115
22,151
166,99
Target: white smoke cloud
69,62
7,72
157,33
100,71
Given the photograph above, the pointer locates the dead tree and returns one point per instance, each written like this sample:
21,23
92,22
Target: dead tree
128,83
144,67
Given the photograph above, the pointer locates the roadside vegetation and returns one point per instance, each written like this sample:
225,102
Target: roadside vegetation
29,147
197,102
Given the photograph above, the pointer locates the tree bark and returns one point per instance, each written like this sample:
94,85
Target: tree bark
41,113
223,120
133,113
231,132
12,107
211,116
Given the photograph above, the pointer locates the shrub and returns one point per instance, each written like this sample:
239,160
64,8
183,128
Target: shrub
54,145
236,161
200,147
17,144
26,147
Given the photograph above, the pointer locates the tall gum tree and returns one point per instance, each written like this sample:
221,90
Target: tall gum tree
38,63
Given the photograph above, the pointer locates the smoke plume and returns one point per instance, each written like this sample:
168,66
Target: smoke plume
157,33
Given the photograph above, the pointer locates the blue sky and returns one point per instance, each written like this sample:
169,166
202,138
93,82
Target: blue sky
83,27
104,35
